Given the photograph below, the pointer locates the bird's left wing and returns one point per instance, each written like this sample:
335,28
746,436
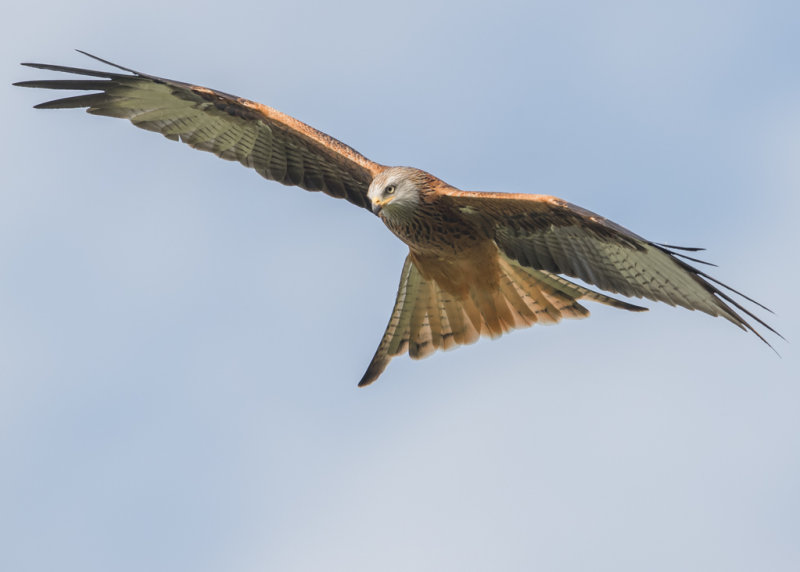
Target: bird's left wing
552,235
277,146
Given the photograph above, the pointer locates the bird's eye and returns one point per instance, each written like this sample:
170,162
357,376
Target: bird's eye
389,190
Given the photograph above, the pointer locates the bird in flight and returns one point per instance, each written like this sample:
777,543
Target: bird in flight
479,263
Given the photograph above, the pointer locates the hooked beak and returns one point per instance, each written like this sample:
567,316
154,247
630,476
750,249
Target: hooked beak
378,204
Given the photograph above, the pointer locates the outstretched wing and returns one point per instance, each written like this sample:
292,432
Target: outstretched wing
277,146
546,233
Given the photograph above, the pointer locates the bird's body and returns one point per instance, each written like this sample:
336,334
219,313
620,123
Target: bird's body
479,264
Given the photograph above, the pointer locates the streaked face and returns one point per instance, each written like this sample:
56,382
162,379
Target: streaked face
393,192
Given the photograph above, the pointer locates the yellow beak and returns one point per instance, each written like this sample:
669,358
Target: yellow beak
378,204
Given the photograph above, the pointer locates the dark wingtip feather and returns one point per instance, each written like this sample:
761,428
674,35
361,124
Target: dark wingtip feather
68,84
68,69
73,102
721,296
739,321
692,269
735,291
112,64
670,249
693,259
687,248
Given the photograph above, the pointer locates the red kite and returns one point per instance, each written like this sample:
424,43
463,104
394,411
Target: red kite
479,264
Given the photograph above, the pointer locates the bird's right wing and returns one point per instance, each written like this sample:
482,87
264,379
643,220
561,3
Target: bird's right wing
277,146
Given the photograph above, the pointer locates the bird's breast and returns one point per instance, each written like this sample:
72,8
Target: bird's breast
436,231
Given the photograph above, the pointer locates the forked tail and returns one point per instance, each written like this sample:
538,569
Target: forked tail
426,318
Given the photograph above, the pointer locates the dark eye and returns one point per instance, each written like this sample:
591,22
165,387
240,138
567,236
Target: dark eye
389,190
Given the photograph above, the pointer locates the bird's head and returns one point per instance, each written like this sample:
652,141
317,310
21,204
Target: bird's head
395,191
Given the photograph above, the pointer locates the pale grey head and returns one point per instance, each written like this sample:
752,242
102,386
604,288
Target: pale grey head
395,192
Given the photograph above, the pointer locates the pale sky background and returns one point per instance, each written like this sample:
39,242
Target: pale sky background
180,340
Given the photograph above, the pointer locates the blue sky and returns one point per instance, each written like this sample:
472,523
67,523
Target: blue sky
180,339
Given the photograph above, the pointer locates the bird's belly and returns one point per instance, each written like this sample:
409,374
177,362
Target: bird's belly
472,268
